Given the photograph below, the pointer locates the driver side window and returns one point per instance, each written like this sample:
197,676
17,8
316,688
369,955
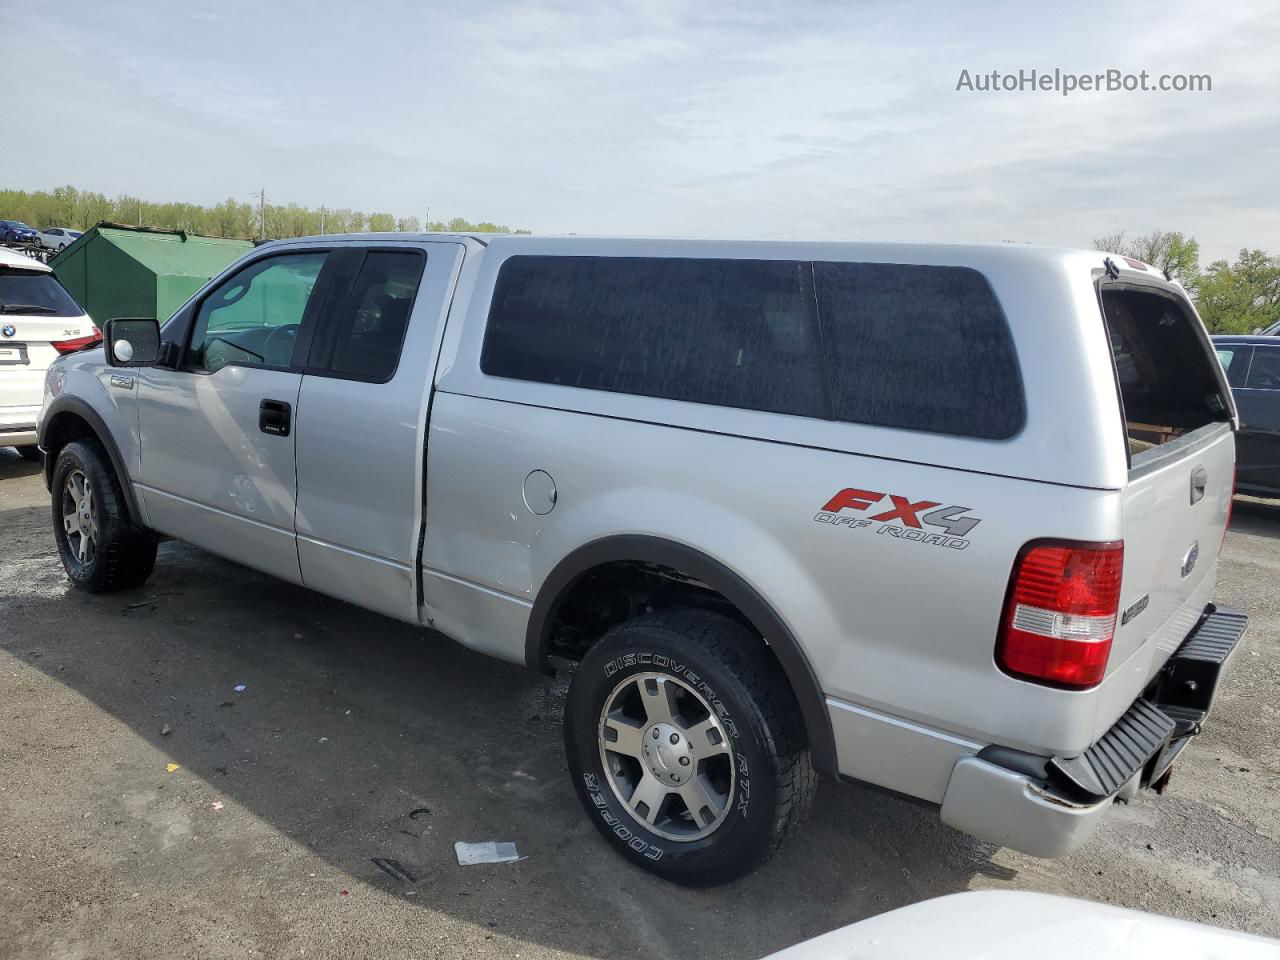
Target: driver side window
252,318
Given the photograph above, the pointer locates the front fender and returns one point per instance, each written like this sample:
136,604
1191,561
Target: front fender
84,397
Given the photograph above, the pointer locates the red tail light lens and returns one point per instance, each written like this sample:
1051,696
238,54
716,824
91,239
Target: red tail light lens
78,343
1060,613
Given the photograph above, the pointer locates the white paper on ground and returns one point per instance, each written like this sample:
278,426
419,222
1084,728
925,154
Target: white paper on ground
487,852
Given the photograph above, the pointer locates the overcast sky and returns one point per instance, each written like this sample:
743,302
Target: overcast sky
794,119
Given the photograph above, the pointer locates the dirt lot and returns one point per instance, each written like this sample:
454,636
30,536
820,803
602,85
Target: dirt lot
358,738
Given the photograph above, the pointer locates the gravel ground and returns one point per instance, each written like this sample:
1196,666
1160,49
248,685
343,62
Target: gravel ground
148,809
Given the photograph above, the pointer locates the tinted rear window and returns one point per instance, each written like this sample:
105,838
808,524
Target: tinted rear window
915,347
919,347
731,332
38,289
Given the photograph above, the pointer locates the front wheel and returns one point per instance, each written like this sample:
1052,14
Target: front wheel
686,746
100,548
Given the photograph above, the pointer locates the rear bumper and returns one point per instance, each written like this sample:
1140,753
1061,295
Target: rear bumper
1048,807
17,435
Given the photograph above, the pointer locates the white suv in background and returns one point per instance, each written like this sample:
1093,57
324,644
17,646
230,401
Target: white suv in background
38,322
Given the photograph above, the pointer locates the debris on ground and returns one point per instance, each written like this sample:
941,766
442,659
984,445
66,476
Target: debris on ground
394,868
166,730
171,767
239,688
419,812
487,852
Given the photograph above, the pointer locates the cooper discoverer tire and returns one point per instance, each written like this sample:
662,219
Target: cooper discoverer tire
100,548
686,746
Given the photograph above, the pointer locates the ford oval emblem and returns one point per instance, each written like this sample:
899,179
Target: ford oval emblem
8,329
1190,558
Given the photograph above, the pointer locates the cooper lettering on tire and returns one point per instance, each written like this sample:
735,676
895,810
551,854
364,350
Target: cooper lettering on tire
686,745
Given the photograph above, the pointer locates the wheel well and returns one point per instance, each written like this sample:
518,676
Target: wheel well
81,422
607,581
62,429
612,593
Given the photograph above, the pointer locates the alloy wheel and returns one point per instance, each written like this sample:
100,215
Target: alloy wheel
667,756
80,516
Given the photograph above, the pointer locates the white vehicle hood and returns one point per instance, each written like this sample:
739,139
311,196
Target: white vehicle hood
1008,925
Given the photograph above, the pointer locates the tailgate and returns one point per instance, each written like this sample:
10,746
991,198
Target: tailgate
1179,423
1175,512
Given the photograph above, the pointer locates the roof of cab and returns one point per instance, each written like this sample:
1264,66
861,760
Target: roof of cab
15,260
910,252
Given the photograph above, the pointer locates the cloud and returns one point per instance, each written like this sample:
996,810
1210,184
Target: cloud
817,119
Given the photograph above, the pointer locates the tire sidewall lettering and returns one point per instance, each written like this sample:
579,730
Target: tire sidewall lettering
645,848
649,660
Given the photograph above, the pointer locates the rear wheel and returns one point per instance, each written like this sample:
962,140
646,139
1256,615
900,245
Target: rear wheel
28,452
686,746
99,546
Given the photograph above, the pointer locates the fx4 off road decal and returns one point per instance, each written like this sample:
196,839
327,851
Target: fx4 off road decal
903,518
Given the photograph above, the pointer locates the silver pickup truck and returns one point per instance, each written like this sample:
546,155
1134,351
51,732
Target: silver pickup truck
943,519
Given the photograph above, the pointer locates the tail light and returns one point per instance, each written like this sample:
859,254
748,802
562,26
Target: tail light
1060,613
77,343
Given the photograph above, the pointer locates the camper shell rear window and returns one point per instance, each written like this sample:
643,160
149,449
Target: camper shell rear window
1166,375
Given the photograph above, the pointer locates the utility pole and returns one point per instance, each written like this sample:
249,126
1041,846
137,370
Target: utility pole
427,226
322,218
262,214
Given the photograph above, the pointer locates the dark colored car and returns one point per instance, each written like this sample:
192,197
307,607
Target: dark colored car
1253,370
15,231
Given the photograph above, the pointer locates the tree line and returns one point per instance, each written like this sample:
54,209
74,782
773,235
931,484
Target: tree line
1232,297
81,209
1237,296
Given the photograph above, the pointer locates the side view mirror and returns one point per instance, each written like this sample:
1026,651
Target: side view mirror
132,342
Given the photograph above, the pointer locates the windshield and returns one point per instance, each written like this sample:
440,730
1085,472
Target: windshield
38,289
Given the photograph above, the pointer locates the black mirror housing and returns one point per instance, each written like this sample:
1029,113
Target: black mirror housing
132,341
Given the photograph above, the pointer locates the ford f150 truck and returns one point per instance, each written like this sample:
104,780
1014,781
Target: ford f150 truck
943,519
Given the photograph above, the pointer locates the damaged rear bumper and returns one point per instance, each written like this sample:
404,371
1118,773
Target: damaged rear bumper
1049,806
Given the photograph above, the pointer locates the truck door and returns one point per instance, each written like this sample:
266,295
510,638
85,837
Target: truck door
361,425
1258,402
216,431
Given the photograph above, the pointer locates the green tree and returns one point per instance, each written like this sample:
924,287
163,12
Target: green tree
1240,297
68,206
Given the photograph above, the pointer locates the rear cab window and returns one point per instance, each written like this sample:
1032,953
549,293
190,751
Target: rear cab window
1167,379
371,322
913,347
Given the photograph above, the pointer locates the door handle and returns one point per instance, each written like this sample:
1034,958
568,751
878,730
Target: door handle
274,417
1199,480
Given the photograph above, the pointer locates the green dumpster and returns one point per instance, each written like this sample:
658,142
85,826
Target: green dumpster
119,271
